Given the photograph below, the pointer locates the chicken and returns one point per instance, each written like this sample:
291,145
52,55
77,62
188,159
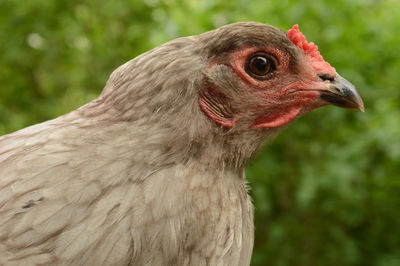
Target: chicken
152,171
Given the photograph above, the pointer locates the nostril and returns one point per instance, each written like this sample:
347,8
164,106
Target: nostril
326,77
337,89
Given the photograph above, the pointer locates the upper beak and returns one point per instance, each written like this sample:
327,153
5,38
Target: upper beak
341,92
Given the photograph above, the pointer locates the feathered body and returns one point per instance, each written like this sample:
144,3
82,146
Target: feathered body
141,175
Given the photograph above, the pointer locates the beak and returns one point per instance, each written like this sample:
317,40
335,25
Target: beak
342,93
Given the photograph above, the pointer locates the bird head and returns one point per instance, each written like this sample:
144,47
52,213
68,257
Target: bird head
218,96
261,77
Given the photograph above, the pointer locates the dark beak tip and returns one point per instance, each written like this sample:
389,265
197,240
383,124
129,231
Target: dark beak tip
356,98
355,101
343,94
361,107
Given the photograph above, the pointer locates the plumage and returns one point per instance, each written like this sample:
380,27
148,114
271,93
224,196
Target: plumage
152,171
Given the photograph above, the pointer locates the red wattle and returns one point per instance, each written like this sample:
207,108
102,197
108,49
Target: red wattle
279,118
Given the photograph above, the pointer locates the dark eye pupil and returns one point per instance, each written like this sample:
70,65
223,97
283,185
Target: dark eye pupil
260,66
260,63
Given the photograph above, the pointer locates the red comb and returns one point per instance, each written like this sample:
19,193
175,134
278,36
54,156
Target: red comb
310,49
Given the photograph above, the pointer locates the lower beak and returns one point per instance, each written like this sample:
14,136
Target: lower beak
342,93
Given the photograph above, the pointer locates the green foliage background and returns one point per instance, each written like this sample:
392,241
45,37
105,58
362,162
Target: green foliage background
326,191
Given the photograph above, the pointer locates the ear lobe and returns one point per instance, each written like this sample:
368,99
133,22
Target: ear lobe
216,106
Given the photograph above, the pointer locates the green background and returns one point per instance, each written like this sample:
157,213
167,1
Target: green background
326,191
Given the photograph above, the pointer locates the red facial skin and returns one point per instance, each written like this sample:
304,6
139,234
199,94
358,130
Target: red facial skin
214,114
281,91
285,94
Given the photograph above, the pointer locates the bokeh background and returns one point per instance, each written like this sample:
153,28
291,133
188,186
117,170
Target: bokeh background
326,191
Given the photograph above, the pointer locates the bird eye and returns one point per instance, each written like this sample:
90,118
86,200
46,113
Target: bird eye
260,66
